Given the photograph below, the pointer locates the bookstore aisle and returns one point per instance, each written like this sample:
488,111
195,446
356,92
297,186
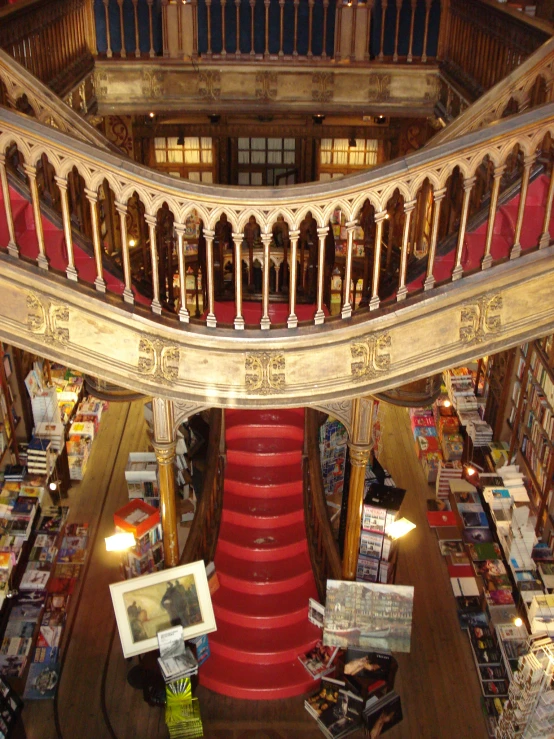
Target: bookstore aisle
437,681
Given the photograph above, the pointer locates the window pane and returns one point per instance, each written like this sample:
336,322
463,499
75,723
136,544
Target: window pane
160,143
258,157
256,178
174,174
161,155
274,157
290,144
258,144
244,143
289,157
174,156
172,143
244,178
194,176
244,157
207,177
273,144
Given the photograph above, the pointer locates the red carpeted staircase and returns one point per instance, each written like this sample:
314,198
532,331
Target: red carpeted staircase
262,562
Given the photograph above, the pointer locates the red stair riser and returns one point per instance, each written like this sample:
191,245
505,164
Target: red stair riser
268,522
259,622
265,554
263,460
295,433
260,587
239,655
264,694
254,491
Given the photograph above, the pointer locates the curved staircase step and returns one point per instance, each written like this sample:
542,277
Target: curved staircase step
263,451
263,611
265,512
263,577
270,480
255,682
263,646
262,545
287,416
279,432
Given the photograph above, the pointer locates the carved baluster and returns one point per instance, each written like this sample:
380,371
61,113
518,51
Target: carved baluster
295,46
322,235
310,26
324,39
121,208
379,218
209,17
210,318
223,34
180,10
544,240
426,32
31,173
281,27
252,47
369,9
292,320
109,52
265,323
194,29
412,22
354,9
338,32
150,4
12,243
528,162
458,269
237,50
438,197
239,319
99,282
384,4
137,41
156,306
266,14
70,271
487,259
346,302
184,314
398,9
408,210
123,52
165,27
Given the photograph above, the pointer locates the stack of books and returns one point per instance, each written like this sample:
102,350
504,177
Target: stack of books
479,432
15,473
182,712
53,431
40,460
176,660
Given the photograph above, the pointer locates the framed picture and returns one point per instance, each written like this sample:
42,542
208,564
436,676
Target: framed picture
151,603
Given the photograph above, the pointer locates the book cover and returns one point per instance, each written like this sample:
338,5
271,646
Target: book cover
381,715
477,535
464,586
448,547
474,519
319,661
481,552
448,533
492,672
326,696
364,670
316,612
461,570
42,681
441,518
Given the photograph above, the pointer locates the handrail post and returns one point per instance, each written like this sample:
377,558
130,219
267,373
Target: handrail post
239,319
209,235
346,303
375,300
438,196
527,164
265,322
156,306
184,314
70,271
99,282
322,235
458,269
122,209
31,172
292,320
498,172
12,247
408,210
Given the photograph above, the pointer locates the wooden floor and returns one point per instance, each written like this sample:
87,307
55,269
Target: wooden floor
436,680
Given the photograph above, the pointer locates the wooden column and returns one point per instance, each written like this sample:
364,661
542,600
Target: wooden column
487,259
210,318
121,208
346,311
165,27
164,442
12,247
438,196
266,18
184,314
31,173
265,322
123,52
384,4
137,42
310,27
209,19
239,318
156,306
70,271
237,49
402,289
223,34
379,218
367,50
99,282
528,162
398,9
282,27
109,52
295,43
544,240
458,269
324,39
410,57
292,320
360,453
152,51
322,235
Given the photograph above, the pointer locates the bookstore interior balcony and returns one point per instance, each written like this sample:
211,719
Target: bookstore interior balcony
276,221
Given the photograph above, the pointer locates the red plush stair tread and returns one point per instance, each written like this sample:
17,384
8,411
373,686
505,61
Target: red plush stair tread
255,682
242,433
259,419
262,544
273,480
266,512
265,611
265,646
256,577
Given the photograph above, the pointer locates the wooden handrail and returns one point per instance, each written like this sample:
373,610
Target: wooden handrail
323,550
202,539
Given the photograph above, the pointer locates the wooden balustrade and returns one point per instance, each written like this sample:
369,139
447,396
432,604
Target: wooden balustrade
202,539
133,30
322,547
50,39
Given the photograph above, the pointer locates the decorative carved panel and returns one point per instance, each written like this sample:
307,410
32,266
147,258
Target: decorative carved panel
379,87
322,86
371,356
159,360
265,373
209,85
44,318
481,318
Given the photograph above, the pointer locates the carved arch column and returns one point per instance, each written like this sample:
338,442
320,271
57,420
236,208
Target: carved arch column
163,439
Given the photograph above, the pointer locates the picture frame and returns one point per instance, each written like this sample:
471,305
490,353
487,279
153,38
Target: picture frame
151,603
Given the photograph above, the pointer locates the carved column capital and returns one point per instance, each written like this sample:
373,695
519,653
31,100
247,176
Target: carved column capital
150,219
359,454
323,231
164,451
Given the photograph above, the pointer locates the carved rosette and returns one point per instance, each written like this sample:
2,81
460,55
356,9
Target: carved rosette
371,357
265,373
266,86
322,86
379,87
159,361
480,319
44,317
209,85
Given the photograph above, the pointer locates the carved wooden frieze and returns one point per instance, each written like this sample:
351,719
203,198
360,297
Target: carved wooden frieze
480,319
322,86
379,87
44,318
266,86
158,360
265,373
372,357
209,85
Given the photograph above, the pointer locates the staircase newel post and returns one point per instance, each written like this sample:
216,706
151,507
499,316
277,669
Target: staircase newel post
360,453
155,305
402,289
164,443
458,269
346,311
375,300
239,318
527,164
211,321
70,271
184,314
31,173
13,249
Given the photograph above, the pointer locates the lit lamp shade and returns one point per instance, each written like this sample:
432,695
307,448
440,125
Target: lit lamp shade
399,528
119,542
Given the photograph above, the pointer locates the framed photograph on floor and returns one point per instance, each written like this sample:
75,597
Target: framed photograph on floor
151,603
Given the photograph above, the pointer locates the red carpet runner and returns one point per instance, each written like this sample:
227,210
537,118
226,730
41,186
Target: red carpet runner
262,562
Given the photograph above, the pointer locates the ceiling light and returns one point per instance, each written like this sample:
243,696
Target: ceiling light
318,118
151,114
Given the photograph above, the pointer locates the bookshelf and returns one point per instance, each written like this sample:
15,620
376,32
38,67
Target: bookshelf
532,421
9,452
